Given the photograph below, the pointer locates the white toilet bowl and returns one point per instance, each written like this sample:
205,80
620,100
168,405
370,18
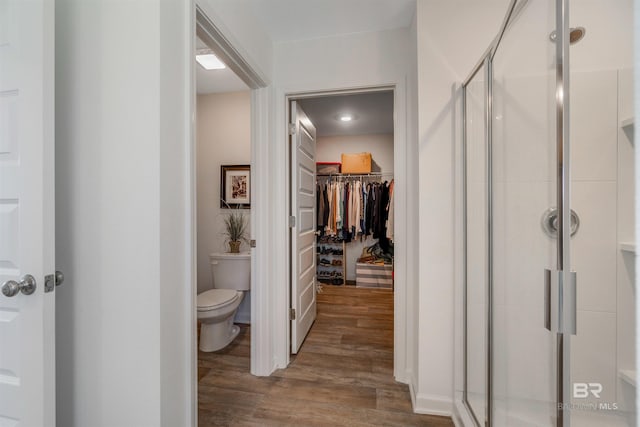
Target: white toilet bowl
217,307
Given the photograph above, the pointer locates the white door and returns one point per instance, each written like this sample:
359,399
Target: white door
27,338
303,237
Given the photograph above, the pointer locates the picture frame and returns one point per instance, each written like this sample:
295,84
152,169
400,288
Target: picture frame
235,186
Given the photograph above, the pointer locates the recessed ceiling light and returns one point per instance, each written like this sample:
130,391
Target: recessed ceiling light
209,61
345,117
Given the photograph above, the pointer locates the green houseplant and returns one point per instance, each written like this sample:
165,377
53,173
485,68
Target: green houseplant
236,228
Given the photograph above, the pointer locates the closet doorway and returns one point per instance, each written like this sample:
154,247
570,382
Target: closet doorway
341,180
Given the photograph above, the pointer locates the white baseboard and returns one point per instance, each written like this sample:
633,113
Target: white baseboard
428,404
404,378
412,393
432,404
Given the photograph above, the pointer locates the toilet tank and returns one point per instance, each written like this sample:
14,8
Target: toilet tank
231,271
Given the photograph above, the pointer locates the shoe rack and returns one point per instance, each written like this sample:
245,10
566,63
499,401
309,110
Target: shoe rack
331,265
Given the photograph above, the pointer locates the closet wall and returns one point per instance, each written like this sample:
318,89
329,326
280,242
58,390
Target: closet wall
330,148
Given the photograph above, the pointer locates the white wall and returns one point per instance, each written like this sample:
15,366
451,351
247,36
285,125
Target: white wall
223,137
608,43
444,60
122,209
626,269
330,149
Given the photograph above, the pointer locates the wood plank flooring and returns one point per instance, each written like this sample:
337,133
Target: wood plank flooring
343,375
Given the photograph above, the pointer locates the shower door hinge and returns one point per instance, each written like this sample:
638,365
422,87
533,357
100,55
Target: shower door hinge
292,221
292,129
560,301
292,314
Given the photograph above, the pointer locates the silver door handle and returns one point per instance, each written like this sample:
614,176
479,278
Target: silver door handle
560,306
27,286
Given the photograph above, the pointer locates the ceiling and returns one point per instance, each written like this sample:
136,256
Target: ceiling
290,20
373,112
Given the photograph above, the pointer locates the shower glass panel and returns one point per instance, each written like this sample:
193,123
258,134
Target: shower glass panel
603,371
523,188
534,353
476,250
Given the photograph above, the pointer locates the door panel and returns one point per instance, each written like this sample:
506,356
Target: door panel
27,365
523,187
476,247
303,238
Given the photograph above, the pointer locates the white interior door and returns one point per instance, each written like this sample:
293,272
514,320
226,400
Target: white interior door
27,339
303,237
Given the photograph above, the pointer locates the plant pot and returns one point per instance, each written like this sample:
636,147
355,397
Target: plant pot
234,247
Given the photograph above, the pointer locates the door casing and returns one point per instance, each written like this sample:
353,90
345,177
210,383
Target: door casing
401,308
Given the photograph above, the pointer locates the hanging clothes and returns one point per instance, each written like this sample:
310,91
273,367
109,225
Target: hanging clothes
339,206
321,206
356,208
363,203
383,205
368,220
390,213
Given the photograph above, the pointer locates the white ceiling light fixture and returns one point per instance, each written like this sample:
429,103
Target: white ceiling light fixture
208,60
345,117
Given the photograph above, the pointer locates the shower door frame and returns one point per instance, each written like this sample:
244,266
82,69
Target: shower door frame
484,63
563,191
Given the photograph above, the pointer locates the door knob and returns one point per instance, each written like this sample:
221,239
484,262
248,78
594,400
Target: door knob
27,286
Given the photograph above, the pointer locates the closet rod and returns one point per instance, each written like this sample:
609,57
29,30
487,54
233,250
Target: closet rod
356,175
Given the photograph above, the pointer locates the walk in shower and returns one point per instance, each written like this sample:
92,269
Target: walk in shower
548,298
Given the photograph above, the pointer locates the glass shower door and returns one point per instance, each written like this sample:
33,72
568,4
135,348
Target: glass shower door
476,247
603,369
524,179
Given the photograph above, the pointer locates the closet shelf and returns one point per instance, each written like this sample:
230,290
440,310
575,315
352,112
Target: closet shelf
628,247
628,376
627,123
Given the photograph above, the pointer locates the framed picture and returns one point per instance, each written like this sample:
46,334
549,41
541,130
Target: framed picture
235,186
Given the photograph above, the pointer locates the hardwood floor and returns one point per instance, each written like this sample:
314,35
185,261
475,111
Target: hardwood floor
343,375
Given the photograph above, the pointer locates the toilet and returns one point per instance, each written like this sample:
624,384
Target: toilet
217,307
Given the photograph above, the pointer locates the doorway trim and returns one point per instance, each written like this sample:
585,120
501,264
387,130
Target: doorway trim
402,310
206,25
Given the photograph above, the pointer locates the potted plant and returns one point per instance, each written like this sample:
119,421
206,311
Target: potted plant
235,232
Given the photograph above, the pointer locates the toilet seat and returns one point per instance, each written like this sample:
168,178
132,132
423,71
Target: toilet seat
216,298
